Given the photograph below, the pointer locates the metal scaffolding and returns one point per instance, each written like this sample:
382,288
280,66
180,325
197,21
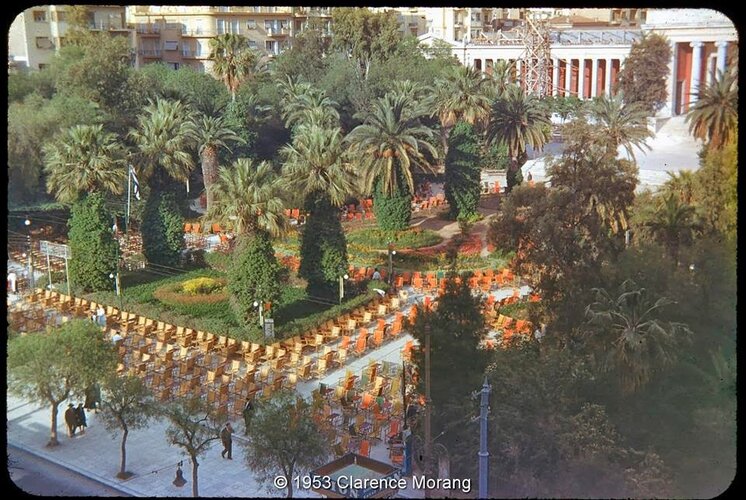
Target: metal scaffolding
536,59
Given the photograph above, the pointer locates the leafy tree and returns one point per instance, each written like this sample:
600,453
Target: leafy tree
305,59
714,117
495,157
200,90
517,120
716,192
92,245
211,135
456,328
390,145
620,124
48,368
284,440
127,404
252,195
255,275
643,78
393,211
233,60
463,174
193,427
246,116
86,159
629,337
162,229
364,36
681,184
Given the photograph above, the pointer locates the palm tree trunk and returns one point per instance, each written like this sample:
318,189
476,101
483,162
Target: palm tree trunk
209,172
53,433
510,174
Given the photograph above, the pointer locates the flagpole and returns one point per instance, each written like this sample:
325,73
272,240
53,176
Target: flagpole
129,196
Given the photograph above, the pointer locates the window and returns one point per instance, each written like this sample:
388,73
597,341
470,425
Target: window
43,42
58,16
42,65
234,26
198,48
252,44
268,25
271,46
251,24
40,16
171,45
220,26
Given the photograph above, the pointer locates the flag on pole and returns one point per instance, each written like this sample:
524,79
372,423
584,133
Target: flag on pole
135,183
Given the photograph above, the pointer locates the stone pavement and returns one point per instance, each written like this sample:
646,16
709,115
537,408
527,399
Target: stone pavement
96,454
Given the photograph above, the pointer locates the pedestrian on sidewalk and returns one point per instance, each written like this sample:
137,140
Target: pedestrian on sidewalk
71,420
101,316
81,420
226,436
248,409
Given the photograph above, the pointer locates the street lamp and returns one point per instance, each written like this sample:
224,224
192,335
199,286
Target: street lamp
27,223
260,305
342,286
392,252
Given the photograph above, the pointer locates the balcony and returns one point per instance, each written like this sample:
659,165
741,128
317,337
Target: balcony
198,33
102,26
273,32
149,29
187,53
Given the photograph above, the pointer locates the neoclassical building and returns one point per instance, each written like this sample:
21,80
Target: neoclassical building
586,62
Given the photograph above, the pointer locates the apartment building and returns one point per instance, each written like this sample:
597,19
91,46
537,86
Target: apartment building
36,34
180,35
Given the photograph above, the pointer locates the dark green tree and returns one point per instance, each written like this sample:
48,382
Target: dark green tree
716,190
285,440
48,368
463,174
643,78
92,244
456,328
255,275
162,229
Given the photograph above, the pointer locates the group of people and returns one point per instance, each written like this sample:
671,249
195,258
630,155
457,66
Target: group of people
75,419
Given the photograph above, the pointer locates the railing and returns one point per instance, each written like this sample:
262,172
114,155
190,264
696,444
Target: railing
150,52
149,29
106,26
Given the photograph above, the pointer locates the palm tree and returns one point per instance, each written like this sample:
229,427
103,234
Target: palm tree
416,92
163,142
714,117
499,80
250,196
391,143
518,120
628,337
311,107
682,183
211,135
233,60
315,166
621,124
86,159
673,224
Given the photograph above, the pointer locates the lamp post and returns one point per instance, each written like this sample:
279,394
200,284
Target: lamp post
32,282
260,304
342,287
392,252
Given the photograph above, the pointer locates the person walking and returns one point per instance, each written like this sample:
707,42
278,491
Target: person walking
80,420
248,409
101,316
226,436
71,420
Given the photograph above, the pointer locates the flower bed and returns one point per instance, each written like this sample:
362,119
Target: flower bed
203,290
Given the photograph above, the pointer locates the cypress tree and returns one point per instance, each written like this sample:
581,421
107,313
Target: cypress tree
463,175
162,229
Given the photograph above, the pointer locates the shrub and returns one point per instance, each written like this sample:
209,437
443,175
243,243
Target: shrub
393,212
92,244
463,176
495,158
173,294
202,286
162,230
254,275
378,239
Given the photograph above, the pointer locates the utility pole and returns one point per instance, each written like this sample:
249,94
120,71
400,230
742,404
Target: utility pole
483,453
428,407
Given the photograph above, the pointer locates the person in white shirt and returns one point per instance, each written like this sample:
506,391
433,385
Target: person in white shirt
13,281
376,275
101,315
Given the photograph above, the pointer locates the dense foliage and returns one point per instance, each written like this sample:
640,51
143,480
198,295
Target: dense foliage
645,72
463,175
162,229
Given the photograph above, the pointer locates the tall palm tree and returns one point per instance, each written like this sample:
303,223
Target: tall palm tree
499,79
714,117
85,159
628,337
211,135
682,183
416,92
315,165
673,224
163,143
518,120
250,196
233,60
391,143
621,124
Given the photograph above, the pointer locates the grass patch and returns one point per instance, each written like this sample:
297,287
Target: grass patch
377,239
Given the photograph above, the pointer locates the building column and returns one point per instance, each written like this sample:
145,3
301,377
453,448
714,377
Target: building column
594,78
568,76
607,81
696,69
555,76
581,78
518,71
722,54
672,76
